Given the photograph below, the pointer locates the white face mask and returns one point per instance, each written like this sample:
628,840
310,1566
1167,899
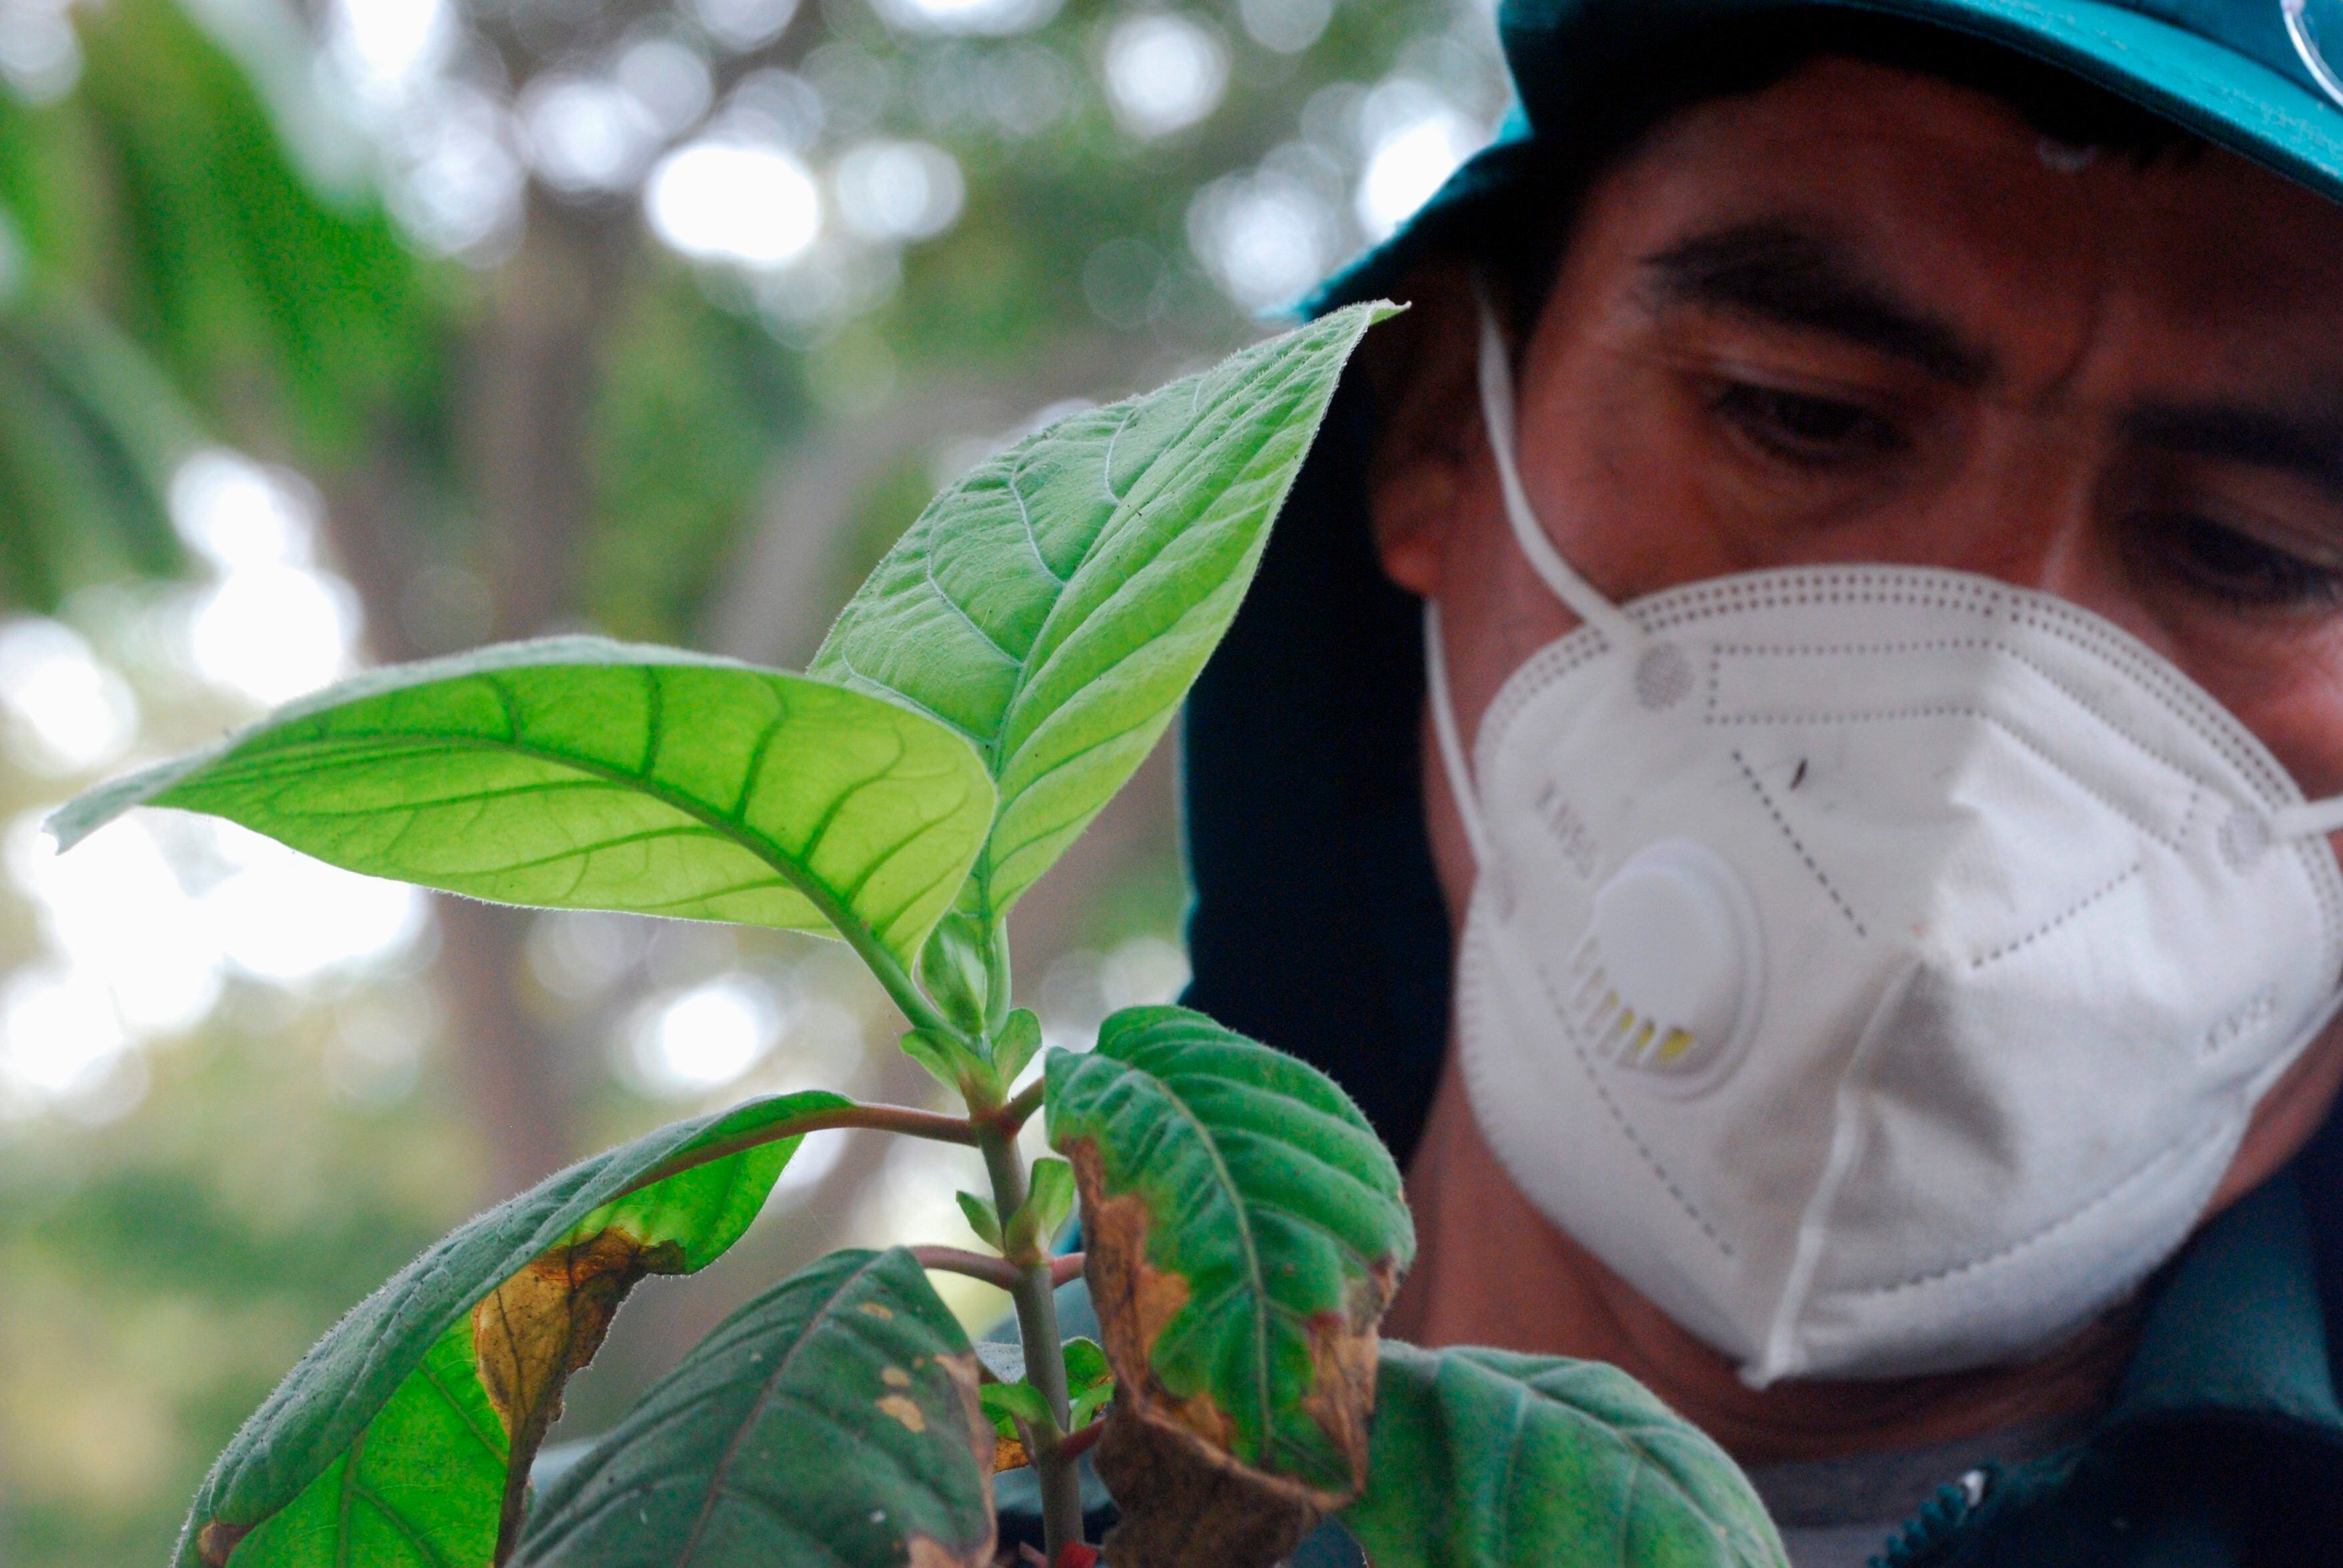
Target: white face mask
1876,966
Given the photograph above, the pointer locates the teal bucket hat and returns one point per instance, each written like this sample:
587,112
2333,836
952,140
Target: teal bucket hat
2244,74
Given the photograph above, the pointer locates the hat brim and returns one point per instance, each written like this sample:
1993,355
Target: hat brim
2278,118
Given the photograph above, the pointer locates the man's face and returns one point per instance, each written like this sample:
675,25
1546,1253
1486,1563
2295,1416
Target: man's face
1862,315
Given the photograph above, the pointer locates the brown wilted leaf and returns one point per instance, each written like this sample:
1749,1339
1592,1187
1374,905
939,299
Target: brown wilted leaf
1186,1501
1341,1397
215,1540
1186,1505
533,1331
1235,1200
967,1375
1135,1300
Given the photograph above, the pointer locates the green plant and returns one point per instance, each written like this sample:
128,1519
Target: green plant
992,684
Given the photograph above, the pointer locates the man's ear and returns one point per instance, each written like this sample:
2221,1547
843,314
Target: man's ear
1428,434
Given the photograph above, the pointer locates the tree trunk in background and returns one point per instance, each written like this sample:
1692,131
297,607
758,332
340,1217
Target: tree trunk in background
522,418
520,1087
521,408
527,399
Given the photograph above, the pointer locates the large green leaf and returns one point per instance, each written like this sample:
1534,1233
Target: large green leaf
579,773
1484,1459
835,1421
1243,1232
1056,603
405,1435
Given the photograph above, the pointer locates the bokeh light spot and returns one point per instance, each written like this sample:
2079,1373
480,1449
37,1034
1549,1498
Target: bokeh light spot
890,190
1165,72
1409,164
237,513
731,201
272,633
67,713
691,1041
1286,27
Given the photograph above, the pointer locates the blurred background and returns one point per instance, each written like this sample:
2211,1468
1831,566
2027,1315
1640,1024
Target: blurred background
343,331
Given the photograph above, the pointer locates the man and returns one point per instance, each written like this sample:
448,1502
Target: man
1875,987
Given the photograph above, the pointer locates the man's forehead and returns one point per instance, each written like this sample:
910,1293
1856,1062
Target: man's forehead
1894,176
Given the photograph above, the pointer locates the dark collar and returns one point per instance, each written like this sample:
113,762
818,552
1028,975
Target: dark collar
2223,1444
2238,1327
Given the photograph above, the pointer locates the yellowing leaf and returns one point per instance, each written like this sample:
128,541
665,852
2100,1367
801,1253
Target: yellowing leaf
1242,1233
405,1436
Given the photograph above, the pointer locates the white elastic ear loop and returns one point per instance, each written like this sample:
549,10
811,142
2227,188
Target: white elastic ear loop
1451,749
2312,817
1559,575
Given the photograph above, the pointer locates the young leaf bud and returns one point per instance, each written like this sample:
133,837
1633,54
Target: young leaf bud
982,1218
1026,1236
952,967
1014,1043
948,1061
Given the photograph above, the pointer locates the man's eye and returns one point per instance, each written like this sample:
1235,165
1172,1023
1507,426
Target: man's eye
1803,428
2243,571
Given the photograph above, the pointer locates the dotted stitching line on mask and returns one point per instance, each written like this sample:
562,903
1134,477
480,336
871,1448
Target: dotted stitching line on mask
1961,644
2136,744
2196,787
2036,935
2001,1254
1955,710
2190,704
1871,586
2242,1024
1476,1080
1767,801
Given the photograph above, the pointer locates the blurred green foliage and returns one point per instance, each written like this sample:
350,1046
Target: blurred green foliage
692,404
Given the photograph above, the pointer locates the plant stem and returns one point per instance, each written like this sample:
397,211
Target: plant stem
992,1269
900,1119
1014,1111
1080,1442
1045,1366
889,973
985,1266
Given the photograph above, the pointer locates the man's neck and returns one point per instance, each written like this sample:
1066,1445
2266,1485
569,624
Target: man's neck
1491,1270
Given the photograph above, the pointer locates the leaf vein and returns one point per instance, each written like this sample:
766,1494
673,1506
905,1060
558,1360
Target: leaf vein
1025,515
928,567
765,1393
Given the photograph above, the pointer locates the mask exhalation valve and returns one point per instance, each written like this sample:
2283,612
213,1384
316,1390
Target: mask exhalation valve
1666,980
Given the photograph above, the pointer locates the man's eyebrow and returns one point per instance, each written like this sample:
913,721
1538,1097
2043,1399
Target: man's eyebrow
1775,272
2308,446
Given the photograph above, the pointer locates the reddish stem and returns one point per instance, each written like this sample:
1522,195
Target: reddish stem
1016,1111
982,1266
1076,1444
991,1270
900,1119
